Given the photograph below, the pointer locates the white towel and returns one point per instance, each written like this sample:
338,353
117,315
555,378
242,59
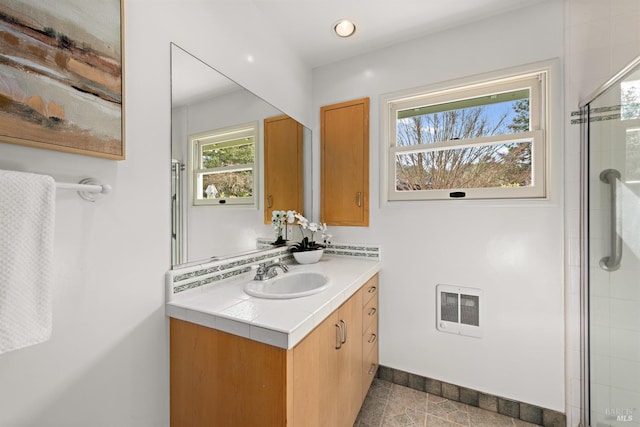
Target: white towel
27,215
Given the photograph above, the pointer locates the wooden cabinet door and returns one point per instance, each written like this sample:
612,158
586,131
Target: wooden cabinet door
350,361
220,379
327,370
283,171
315,377
344,163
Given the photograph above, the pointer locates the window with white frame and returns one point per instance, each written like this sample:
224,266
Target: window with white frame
478,141
223,166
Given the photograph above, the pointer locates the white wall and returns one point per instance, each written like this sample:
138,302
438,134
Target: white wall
107,361
513,251
601,37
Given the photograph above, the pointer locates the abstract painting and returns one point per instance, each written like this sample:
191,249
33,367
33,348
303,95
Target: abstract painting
61,75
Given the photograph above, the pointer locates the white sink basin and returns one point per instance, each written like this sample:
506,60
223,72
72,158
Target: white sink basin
288,285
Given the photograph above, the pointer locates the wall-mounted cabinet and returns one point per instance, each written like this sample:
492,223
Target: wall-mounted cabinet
223,379
283,171
344,163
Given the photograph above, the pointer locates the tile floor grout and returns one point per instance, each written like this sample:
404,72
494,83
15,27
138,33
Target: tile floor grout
391,405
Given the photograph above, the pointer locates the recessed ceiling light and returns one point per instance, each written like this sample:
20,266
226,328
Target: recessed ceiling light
344,28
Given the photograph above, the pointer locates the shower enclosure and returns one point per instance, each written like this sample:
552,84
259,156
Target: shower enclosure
611,252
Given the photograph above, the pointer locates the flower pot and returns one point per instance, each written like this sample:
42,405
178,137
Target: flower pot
308,257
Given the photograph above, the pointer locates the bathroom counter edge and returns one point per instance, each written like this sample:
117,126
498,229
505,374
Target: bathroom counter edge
281,323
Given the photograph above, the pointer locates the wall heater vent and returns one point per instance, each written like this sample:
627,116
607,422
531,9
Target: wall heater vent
459,310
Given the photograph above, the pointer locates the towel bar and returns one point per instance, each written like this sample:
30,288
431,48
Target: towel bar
88,189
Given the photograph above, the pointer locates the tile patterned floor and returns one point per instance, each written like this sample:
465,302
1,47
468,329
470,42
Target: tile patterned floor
391,405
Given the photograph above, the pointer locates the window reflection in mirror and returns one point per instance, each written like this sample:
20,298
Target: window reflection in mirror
222,165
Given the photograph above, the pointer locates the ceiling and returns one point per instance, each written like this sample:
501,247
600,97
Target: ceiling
306,26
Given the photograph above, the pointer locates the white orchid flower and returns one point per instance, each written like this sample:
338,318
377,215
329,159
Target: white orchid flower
277,216
308,242
302,220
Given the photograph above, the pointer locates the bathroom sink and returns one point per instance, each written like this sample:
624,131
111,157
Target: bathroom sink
288,285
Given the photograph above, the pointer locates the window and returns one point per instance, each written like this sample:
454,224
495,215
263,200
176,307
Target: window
478,141
223,163
630,118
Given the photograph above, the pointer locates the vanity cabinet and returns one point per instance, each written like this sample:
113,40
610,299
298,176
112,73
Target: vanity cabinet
220,379
283,171
223,379
344,163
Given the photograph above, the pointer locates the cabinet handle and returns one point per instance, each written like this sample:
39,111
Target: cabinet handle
359,198
373,338
373,368
338,337
372,289
344,338
372,311
269,201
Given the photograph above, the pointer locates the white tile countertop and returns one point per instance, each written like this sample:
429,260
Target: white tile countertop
278,322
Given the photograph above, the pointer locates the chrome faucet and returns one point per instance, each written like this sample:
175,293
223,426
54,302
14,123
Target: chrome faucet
267,271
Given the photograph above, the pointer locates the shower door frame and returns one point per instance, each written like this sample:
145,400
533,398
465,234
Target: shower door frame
585,393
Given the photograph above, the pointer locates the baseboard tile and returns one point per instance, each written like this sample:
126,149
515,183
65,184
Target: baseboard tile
509,407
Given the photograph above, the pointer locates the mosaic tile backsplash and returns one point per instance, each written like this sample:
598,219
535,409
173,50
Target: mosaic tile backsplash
183,279
345,249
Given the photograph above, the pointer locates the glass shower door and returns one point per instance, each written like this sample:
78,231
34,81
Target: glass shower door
614,254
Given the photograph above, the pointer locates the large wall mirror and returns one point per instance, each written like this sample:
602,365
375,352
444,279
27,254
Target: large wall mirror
226,142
